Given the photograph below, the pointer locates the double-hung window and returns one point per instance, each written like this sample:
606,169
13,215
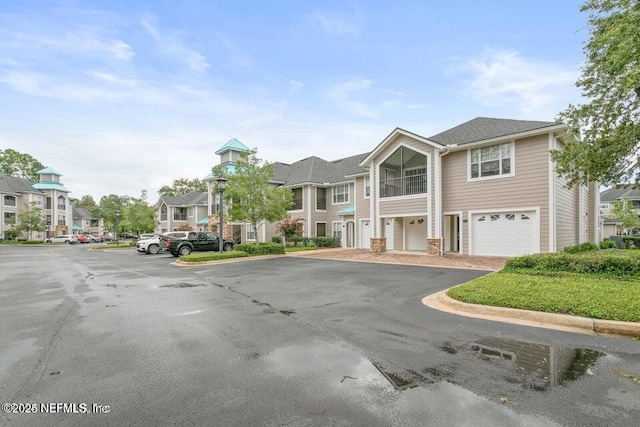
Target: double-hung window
341,194
492,161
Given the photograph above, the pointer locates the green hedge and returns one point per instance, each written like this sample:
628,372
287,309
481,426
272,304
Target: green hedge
213,256
606,263
583,247
320,242
631,242
608,244
260,248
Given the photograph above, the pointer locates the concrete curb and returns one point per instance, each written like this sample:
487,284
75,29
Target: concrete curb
441,301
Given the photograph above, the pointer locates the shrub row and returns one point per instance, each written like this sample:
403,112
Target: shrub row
608,244
213,256
320,242
260,248
631,242
599,263
583,247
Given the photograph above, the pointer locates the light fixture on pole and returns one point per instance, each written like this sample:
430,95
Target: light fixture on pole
222,184
117,225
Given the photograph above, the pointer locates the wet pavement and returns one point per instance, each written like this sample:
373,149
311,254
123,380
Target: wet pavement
286,341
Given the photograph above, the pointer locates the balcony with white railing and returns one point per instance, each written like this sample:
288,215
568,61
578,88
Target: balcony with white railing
405,186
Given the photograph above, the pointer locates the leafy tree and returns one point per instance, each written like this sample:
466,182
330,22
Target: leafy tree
290,227
623,211
139,216
607,151
182,186
86,202
21,165
108,207
249,195
30,219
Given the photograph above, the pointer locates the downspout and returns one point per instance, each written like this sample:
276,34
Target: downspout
438,197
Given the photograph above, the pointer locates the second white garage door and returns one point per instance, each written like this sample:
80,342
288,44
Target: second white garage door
505,233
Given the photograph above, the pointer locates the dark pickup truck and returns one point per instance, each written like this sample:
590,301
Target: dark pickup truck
200,241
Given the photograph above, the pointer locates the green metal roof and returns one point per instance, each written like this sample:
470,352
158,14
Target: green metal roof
230,168
203,221
233,145
49,171
350,210
76,227
50,186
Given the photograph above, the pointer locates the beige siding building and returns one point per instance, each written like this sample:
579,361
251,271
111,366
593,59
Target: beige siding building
485,187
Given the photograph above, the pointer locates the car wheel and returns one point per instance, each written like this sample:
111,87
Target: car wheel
185,250
153,249
228,247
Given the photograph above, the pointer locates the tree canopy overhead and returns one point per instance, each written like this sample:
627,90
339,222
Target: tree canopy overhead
21,165
604,138
182,186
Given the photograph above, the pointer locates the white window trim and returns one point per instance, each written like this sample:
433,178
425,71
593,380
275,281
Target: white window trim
325,200
487,178
364,187
342,226
347,198
190,211
249,229
315,232
15,200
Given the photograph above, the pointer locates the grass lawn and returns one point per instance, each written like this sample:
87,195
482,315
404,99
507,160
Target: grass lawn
598,295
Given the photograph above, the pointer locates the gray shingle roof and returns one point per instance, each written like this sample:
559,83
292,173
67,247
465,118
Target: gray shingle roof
12,184
619,193
79,212
482,128
319,171
193,198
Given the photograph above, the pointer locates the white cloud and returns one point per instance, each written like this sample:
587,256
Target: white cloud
337,25
342,94
505,78
170,45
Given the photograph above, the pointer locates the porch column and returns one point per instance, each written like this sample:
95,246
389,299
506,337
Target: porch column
378,245
434,245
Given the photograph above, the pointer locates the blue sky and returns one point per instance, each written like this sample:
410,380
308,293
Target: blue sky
121,96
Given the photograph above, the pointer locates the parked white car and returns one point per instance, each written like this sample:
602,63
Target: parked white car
152,245
64,238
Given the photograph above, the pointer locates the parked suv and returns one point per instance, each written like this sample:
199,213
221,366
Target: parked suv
152,245
63,238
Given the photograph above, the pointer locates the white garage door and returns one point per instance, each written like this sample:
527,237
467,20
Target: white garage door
415,229
365,234
504,233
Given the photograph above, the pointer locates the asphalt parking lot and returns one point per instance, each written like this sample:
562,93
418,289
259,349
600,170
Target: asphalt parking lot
284,341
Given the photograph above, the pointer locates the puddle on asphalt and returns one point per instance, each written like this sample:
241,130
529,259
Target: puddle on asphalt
332,370
541,366
183,285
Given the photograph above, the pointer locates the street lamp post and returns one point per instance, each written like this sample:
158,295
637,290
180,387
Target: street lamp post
222,184
117,226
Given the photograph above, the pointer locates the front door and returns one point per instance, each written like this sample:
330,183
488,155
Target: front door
452,233
365,234
351,235
388,232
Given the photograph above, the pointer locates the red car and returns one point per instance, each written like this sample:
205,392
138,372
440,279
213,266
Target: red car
82,239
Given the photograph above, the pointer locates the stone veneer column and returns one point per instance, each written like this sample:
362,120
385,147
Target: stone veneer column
378,245
433,246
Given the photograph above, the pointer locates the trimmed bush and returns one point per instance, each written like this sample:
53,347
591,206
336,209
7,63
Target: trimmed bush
631,242
260,248
213,256
583,247
276,239
608,244
32,242
614,264
323,242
